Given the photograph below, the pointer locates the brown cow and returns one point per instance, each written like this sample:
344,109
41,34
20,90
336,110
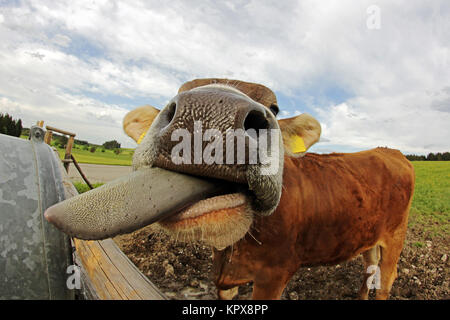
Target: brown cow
333,208
315,210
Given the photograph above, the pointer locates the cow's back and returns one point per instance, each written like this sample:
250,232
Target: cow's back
339,205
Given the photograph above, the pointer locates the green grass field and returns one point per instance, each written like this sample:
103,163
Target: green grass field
431,203
99,157
83,187
107,157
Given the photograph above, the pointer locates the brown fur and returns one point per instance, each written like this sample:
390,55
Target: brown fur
216,228
333,208
255,91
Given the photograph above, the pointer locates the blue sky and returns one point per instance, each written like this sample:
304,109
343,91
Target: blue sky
81,65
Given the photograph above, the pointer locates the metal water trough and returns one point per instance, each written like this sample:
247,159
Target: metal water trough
34,255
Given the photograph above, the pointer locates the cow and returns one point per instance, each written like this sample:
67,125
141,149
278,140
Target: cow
314,209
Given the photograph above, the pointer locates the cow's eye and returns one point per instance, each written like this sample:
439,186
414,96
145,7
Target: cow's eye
274,108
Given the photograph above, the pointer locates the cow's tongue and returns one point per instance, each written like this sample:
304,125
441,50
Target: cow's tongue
129,203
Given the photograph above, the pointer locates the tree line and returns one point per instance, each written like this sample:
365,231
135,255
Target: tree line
430,157
10,126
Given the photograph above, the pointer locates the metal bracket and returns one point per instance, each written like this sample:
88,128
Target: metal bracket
37,134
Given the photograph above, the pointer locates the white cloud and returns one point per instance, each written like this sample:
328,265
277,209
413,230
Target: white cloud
61,40
81,60
288,114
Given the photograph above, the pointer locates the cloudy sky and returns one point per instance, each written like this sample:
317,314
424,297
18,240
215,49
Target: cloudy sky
374,73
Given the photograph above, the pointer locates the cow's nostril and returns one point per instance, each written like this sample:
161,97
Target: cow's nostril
166,116
171,111
255,120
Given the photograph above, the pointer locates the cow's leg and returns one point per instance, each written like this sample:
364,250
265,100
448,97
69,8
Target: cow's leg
371,258
390,254
228,294
270,286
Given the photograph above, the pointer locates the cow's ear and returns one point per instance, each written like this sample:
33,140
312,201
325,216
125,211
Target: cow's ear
299,133
137,122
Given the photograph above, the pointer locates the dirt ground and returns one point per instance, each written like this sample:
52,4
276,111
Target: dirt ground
183,271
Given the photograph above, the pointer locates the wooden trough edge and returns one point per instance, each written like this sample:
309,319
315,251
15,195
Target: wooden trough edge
106,272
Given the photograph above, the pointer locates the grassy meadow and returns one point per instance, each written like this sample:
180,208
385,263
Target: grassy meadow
83,187
101,155
98,157
431,203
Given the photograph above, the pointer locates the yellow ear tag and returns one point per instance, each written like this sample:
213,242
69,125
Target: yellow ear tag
141,137
297,144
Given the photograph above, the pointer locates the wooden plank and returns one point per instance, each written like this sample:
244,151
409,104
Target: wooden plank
68,154
125,290
144,287
48,137
59,130
87,291
105,290
112,274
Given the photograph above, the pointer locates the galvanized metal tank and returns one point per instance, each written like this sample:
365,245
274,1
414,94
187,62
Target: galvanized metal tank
34,255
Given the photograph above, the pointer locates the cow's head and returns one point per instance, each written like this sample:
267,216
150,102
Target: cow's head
221,142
